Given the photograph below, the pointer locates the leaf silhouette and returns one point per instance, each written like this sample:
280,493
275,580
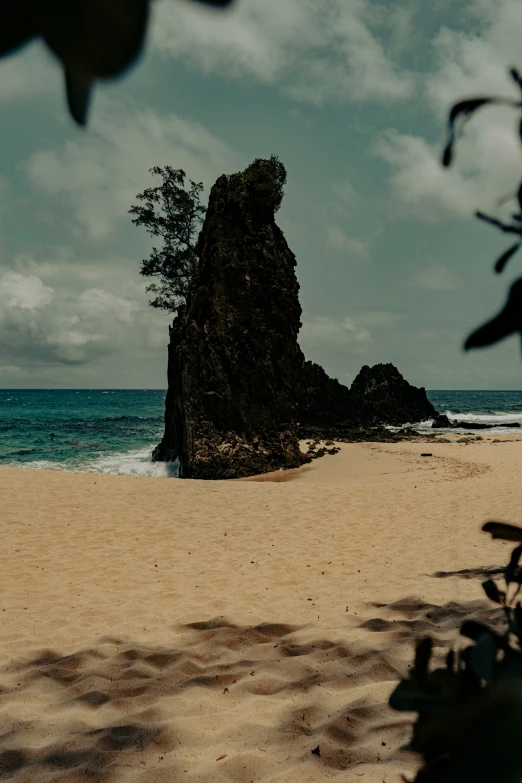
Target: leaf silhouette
503,531
509,320
505,227
462,109
474,630
515,75
513,564
501,262
483,656
422,660
492,591
447,155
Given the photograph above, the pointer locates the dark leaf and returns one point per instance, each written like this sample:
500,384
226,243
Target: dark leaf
422,660
78,93
513,562
492,332
503,531
447,155
17,28
518,615
492,591
513,72
483,656
473,630
500,264
508,321
505,227
467,108
462,109
409,696
512,572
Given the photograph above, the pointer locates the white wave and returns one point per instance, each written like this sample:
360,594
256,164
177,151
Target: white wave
496,417
126,463
497,421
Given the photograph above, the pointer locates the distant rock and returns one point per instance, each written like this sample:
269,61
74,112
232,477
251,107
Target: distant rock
378,396
234,360
382,395
441,421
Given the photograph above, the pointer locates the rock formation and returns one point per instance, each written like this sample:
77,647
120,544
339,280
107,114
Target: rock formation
379,395
383,396
234,360
323,400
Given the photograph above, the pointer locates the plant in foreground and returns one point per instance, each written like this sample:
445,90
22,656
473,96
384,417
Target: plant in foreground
469,725
509,319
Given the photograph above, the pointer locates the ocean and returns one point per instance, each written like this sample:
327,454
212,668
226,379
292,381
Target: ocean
114,430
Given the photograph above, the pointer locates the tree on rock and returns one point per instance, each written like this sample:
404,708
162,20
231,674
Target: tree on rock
174,213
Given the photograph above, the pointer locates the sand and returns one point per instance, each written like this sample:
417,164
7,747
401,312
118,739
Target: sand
158,630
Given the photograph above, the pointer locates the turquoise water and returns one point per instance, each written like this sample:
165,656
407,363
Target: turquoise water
486,407
102,431
114,431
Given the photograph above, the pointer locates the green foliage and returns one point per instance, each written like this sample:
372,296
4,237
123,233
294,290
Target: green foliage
262,181
174,213
469,725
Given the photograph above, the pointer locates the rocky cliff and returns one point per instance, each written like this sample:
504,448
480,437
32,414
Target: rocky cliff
234,360
379,395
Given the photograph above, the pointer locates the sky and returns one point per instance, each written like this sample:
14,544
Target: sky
352,96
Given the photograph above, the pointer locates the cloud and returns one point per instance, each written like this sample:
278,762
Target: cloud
346,196
323,331
69,323
377,318
315,52
436,277
28,73
467,63
97,177
26,292
339,240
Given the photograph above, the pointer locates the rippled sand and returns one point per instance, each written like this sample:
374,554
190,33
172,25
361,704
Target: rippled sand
161,630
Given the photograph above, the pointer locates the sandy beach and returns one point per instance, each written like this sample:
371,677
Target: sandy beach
158,630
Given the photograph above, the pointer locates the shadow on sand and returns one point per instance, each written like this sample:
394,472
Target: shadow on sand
119,706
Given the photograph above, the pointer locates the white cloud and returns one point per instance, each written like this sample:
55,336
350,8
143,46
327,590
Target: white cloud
436,277
27,73
339,240
315,52
487,161
26,292
100,175
69,323
322,331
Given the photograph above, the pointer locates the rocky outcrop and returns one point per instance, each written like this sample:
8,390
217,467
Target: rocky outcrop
234,360
441,422
379,395
323,400
383,396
